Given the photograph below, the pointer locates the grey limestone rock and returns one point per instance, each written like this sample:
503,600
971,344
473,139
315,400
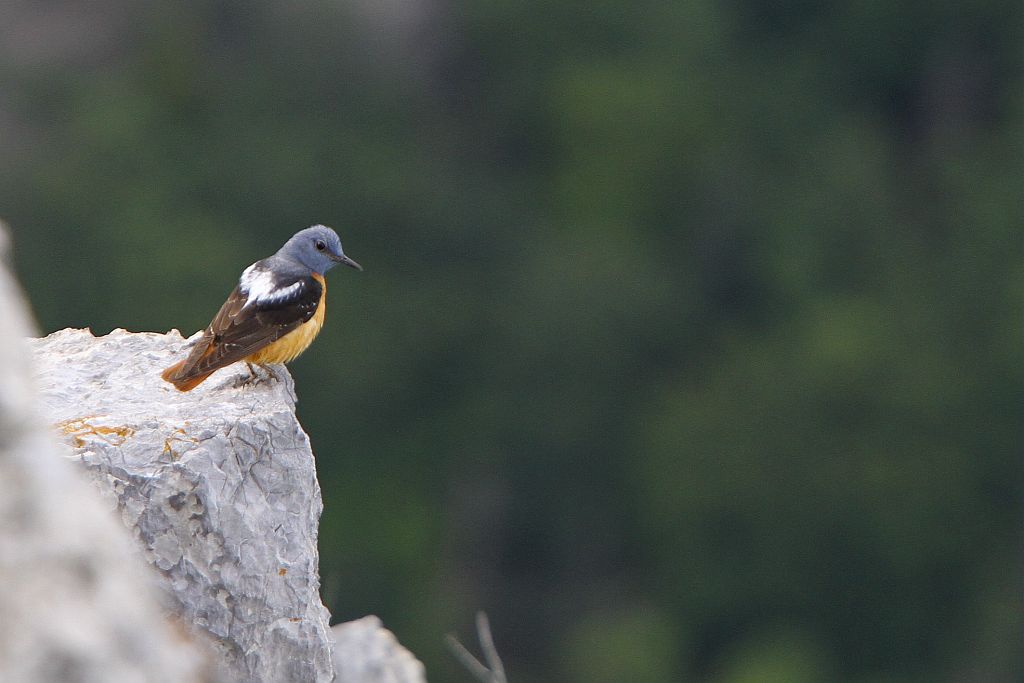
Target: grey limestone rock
218,485
366,652
77,603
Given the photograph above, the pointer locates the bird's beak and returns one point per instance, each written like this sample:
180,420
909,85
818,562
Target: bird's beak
345,260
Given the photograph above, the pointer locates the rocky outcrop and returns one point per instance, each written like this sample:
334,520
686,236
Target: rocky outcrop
218,485
218,488
366,652
77,602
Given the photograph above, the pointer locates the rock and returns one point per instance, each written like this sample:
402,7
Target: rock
78,604
218,486
365,652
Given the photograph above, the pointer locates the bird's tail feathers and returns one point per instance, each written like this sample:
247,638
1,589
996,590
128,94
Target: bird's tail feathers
181,380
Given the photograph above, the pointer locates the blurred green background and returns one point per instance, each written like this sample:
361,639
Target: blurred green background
689,342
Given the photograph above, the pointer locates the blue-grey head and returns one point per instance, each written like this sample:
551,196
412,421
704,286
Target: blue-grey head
318,248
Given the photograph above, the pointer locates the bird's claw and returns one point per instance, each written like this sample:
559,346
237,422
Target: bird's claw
255,377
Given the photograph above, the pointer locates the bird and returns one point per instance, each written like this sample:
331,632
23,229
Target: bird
274,312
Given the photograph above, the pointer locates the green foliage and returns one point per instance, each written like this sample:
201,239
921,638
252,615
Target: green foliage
638,644
776,658
688,344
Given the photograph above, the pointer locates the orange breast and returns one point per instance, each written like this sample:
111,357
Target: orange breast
288,347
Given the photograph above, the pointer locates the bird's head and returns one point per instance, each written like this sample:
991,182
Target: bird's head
318,248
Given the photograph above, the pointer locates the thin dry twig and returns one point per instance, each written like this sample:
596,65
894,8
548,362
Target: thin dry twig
483,631
494,672
482,673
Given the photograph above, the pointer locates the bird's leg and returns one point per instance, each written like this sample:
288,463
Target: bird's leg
272,371
253,379
269,375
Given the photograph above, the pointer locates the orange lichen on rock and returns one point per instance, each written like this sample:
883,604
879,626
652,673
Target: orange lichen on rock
79,429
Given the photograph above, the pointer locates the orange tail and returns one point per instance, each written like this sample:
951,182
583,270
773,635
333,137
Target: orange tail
183,384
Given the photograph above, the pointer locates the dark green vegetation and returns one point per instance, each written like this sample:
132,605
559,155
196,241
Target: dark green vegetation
689,342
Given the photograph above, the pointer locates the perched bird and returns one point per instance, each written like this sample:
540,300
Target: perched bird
273,314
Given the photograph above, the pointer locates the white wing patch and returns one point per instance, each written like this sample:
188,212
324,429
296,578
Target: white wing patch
259,287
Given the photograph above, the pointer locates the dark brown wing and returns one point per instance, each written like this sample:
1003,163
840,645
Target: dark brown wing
241,328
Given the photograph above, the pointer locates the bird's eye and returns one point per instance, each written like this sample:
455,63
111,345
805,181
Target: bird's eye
320,245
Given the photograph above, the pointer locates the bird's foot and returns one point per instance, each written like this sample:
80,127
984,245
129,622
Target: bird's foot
267,376
273,376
